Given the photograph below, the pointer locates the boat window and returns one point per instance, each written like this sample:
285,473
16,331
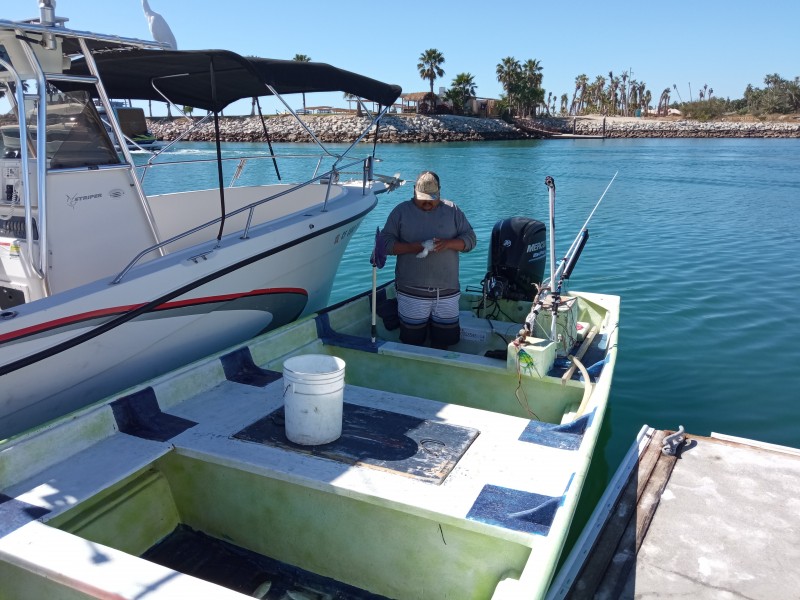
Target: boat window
76,136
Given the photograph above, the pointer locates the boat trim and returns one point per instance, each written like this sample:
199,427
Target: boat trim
104,99
250,207
63,322
41,164
153,304
19,98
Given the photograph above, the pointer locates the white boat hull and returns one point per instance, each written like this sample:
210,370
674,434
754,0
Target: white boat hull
63,353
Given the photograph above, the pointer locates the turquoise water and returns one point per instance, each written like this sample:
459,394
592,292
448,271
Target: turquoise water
698,237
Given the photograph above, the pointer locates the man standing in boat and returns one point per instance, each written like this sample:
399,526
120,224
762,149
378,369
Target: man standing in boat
427,234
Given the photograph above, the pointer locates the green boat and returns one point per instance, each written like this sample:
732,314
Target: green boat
456,474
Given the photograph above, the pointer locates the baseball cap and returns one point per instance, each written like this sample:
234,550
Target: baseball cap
427,186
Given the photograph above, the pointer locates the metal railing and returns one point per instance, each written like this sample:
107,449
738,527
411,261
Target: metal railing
331,176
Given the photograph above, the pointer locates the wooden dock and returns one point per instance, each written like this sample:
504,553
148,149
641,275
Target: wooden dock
721,519
535,130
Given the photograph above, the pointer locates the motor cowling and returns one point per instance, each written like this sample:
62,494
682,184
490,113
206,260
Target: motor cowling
517,259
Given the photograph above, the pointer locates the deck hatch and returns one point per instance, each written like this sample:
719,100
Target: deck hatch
16,513
515,509
378,439
565,437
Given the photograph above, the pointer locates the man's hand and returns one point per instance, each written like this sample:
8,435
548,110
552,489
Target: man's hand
427,246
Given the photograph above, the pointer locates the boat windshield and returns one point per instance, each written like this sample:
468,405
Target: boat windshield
76,136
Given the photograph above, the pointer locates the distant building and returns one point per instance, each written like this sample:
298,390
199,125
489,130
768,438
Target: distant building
478,107
482,107
410,102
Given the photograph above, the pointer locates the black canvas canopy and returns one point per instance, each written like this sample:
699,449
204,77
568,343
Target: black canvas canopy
185,77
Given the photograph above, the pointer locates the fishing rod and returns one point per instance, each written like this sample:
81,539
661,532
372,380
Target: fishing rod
564,268
580,239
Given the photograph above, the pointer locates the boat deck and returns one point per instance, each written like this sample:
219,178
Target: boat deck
722,520
422,463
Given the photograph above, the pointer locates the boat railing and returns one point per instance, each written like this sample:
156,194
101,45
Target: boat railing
329,177
183,134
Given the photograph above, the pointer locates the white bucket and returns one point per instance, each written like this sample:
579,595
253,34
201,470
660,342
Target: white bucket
313,390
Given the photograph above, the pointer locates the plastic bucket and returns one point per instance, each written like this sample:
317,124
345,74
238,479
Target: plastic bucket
313,390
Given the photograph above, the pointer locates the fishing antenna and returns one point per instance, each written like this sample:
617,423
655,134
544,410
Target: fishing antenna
565,267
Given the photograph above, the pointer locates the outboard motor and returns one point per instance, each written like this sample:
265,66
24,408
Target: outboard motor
517,258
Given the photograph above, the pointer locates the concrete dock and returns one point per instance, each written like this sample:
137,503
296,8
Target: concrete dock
721,519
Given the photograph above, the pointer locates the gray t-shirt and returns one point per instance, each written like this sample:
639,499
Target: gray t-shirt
408,223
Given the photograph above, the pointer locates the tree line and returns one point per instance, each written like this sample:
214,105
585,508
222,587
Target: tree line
615,95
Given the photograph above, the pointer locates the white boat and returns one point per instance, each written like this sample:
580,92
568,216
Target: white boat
103,286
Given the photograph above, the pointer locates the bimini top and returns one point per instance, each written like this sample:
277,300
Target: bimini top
186,76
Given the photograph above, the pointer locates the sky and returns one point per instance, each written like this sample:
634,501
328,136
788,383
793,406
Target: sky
724,45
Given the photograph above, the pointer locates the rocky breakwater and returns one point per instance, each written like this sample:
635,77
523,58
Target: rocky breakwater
647,127
345,128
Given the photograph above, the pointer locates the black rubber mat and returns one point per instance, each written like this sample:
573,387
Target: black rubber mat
379,439
200,555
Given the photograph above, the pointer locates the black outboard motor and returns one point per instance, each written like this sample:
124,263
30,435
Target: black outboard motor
517,258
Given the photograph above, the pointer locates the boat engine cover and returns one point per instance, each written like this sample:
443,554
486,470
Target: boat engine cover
517,258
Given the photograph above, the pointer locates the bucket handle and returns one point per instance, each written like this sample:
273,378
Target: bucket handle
286,388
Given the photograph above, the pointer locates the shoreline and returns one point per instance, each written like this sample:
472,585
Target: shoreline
451,128
660,127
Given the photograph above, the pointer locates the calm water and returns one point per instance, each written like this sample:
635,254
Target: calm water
698,237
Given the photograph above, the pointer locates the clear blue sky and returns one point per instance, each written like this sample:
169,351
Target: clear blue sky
726,45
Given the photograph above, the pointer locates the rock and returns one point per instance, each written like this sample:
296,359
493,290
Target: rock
345,128
616,127
451,128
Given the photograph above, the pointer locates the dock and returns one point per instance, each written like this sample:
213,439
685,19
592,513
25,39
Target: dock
718,519
537,130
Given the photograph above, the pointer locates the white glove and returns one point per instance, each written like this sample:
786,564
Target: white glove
427,246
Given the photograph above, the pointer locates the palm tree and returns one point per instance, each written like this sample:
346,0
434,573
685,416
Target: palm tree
613,86
624,81
533,70
632,100
675,87
598,91
462,89
532,77
430,67
644,97
302,58
353,97
508,74
580,88
663,103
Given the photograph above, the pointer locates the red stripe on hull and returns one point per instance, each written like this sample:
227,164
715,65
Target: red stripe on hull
111,311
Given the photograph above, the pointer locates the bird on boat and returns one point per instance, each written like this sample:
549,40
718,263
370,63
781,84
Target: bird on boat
158,27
